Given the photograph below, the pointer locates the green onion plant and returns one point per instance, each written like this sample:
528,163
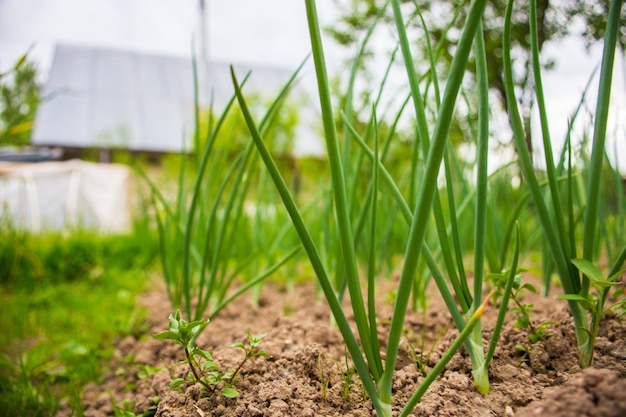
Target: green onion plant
375,373
563,212
204,233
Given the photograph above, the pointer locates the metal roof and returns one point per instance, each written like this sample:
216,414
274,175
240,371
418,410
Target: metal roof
113,98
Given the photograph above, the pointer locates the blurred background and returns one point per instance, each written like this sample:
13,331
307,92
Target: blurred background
261,34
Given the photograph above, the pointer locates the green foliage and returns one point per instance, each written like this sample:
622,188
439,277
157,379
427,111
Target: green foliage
536,331
376,375
19,98
127,407
19,394
53,341
29,262
280,135
566,211
203,369
619,307
209,241
594,302
556,20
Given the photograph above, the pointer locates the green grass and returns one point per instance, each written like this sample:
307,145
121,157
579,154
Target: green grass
66,299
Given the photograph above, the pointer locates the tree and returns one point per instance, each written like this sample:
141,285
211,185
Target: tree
19,98
556,20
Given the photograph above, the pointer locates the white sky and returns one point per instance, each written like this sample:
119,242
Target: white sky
270,32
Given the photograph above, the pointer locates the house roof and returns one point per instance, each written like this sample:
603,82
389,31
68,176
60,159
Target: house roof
113,98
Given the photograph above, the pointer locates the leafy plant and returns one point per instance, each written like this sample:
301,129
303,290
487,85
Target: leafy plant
203,369
594,303
536,332
19,99
126,408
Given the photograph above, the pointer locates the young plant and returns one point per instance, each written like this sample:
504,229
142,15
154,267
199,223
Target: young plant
126,408
203,369
556,213
536,332
347,374
594,303
419,356
324,377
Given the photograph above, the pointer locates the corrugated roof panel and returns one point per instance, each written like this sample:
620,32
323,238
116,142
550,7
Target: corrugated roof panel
67,123
169,132
70,71
114,121
111,98
114,74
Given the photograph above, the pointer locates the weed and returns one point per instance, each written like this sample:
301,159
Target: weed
594,302
203,369
127,408
537,332
324,378
346,372
419,356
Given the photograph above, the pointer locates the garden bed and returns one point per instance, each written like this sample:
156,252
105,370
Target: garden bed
306,376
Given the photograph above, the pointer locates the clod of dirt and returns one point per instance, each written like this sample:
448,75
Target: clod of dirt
593,393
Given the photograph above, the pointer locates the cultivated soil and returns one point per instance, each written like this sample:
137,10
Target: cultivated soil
306,374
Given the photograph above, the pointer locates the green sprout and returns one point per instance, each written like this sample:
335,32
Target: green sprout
203,368
594,303
537,332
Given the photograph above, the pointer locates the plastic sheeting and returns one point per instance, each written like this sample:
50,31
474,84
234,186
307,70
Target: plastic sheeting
58,195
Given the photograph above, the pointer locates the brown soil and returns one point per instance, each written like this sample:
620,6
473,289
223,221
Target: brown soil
305,377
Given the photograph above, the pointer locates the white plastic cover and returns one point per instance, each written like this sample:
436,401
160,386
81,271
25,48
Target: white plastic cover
57,195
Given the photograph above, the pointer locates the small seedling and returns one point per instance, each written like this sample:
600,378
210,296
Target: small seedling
594,303
126,407
324,379
419,356
203,369
536,332
347,375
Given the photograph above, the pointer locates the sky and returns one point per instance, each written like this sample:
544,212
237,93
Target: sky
270,32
